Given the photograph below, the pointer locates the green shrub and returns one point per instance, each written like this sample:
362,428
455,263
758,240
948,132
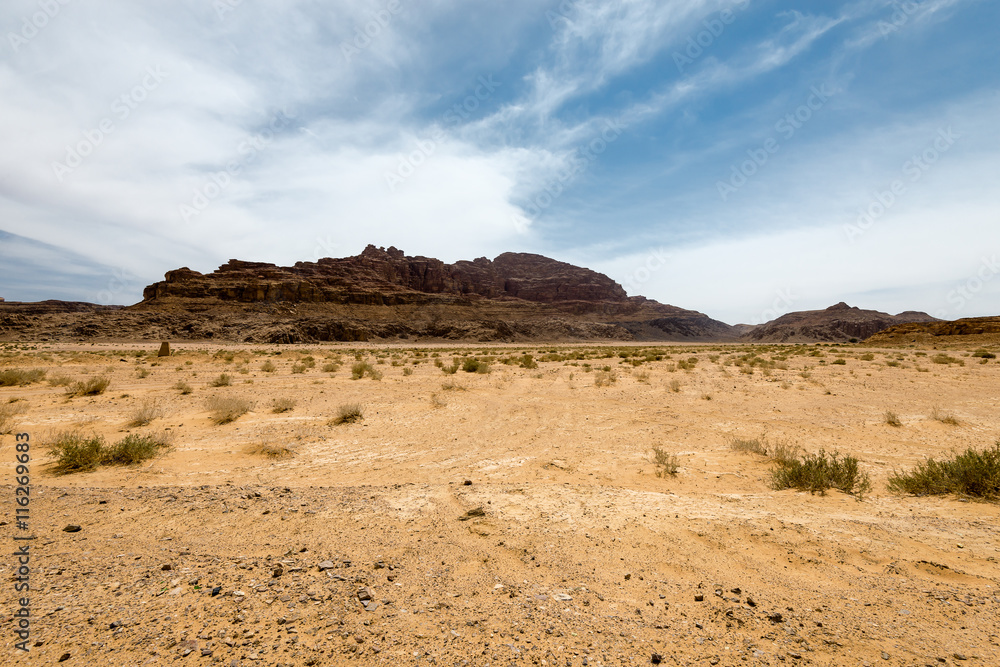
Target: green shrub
971,473
839,362
363,368
134,448
75,452
816,473
527,361
984,354
474,365
330,367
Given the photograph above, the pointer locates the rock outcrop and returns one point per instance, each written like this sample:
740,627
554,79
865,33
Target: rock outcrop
388,277
383,294
839,323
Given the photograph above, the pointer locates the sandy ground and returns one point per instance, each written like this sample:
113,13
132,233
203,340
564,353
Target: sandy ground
580,555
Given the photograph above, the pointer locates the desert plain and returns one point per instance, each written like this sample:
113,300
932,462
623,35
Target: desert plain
510,514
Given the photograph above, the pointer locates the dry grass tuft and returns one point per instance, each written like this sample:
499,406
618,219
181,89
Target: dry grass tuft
348,414
271,450
144,414
225,409
280,405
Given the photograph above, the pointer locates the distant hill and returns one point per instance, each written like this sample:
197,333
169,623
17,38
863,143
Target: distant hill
838,324
383,294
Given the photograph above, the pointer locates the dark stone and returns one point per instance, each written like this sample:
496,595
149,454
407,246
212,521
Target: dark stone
72,528
164,349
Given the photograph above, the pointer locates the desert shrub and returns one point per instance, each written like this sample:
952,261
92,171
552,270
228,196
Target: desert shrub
984,354
142,373
641,376
675,386
11,377
527,361
271,450
362,368
604,378
225,409
839,362
348,414
91,387
60,381
971,473
665,462
224,380
452,368
268,366
330,367
892,419
144,414
816,473
408,371
183,387
944,417
451,385
283,404
8,412
943,358
749,445
437,401
474,365
298,368
75,452
134,448
867,356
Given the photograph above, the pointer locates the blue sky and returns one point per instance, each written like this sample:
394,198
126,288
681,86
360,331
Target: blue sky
742,158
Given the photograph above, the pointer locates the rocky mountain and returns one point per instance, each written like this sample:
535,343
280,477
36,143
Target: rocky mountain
385,294
838,323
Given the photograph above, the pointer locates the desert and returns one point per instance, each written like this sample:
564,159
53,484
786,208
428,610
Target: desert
474,504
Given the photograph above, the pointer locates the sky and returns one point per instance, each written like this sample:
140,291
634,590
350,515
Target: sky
743,158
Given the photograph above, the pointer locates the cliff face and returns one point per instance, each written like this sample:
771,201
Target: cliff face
379,295
838,323
388,277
